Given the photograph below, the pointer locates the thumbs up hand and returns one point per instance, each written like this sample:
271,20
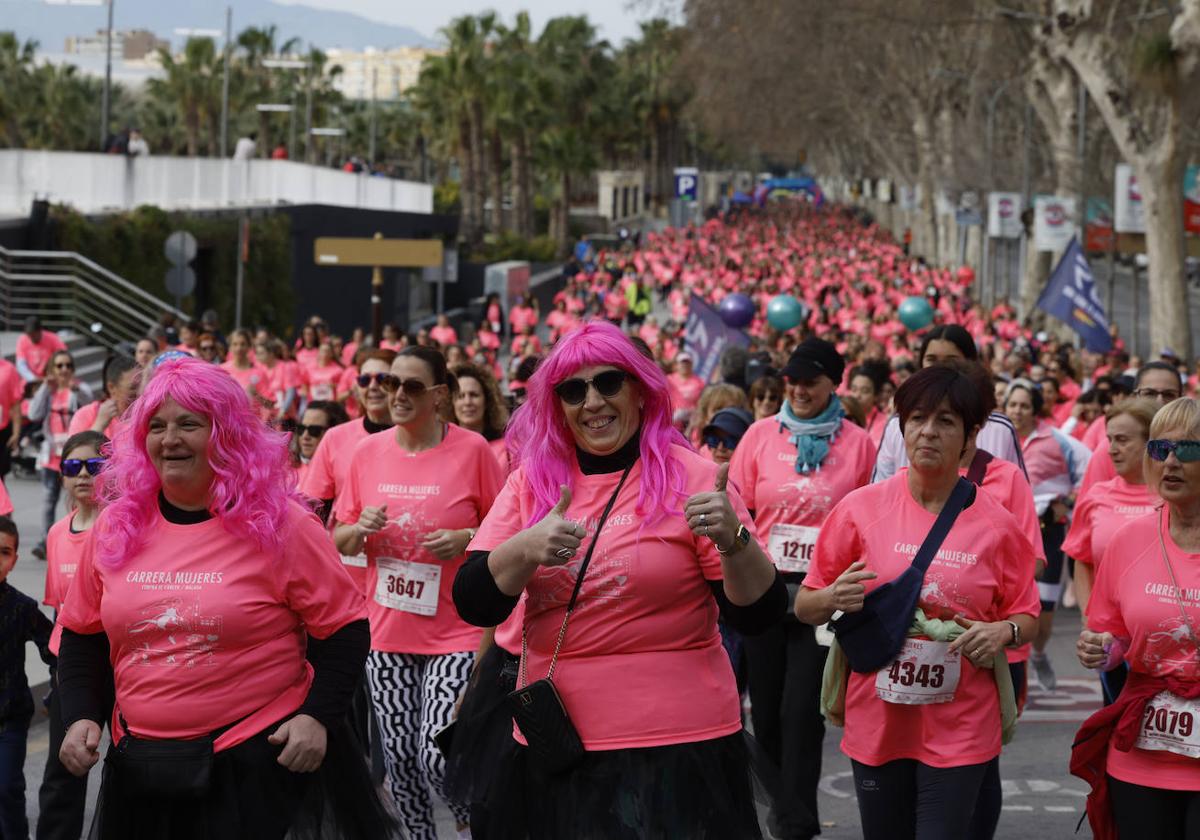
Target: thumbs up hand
555,540
711,515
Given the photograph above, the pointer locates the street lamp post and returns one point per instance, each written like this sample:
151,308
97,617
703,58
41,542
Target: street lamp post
105,103
225,80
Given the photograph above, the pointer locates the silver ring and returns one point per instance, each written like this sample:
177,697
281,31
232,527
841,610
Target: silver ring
705,530
704,519
565,553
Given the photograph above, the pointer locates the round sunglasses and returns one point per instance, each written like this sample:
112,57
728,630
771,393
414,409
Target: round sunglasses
1187,451
312,431
71,467
607,384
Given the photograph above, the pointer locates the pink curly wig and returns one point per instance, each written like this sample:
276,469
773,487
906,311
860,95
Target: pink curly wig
252,483
540,442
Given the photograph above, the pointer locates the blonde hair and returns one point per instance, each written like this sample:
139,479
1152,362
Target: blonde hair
1182,414
713,399
1141,409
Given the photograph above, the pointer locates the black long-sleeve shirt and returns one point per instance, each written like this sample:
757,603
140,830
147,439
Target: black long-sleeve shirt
20,622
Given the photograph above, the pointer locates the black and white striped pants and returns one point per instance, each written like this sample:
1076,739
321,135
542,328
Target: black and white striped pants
414,697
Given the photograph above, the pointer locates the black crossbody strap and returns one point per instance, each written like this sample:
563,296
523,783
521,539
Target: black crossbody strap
979,465
959,496
587,558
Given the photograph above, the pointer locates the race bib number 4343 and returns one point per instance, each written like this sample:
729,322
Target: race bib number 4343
923,672
407,586
1172,724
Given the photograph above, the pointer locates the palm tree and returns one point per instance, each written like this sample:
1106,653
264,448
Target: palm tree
193,85
16,68
261,84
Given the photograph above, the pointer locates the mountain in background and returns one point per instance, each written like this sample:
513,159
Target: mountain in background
51,25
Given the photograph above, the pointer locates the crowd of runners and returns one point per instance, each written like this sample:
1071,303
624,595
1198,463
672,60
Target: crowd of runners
534,568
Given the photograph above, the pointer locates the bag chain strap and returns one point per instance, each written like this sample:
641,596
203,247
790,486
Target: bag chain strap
522,680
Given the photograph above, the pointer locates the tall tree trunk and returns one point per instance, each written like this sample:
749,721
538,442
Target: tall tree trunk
654,197
466,190
479,162
1159,177
496,180
925,234
521,190
563,211
192,126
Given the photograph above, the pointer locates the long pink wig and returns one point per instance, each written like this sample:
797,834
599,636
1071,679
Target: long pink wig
252,482
542,444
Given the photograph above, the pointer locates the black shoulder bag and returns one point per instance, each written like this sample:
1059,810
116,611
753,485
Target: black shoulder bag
873,636
537,708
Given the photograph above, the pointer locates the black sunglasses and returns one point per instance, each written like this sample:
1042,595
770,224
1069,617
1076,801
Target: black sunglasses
312,431
413,388
64,366
364,380
71,467
1187,451
717,441
607,384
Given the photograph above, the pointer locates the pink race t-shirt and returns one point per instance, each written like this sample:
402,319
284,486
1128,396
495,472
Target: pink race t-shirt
642,664
450,486
1101,512
37,356
63,550
326,475
764,470
685,390
206,629
444,336
1005,483
12,389
86,416
324,381
982,571
1135,600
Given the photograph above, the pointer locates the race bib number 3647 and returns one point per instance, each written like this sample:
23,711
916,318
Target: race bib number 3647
1172,724
407,586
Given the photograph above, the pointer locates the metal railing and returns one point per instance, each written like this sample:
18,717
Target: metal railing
70,292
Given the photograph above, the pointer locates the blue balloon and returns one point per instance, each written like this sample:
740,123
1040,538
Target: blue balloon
916,313
736,310
784,312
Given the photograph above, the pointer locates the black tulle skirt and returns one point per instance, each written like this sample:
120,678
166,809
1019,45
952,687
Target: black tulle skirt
483,745
707,790
252,797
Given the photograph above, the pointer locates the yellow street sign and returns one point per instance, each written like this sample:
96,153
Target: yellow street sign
383,253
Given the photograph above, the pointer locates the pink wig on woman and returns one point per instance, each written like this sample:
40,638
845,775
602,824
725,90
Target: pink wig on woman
542,444
252,483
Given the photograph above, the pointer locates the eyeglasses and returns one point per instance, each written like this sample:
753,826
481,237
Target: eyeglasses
1169,395
1187,451
64,365
607,384
717,441
364,380
311,431
767,398
71,467
412,388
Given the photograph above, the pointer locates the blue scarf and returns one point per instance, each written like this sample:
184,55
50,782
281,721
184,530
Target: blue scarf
813,437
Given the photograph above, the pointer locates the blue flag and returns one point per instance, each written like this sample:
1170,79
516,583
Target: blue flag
1071,297
706,336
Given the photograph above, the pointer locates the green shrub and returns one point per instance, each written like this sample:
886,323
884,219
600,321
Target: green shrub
131,246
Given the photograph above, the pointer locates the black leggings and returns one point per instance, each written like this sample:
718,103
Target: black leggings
908,800
1153,812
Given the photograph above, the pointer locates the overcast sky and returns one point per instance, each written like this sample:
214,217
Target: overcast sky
615,21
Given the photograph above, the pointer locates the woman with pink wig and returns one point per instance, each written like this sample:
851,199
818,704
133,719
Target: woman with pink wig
626,545
213,601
